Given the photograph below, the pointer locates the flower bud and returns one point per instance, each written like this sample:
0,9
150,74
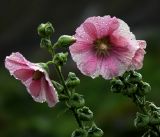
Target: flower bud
94,131
65,40
85,114
72,80
45,43
134,77
76,100
60,58
58,86
131,89
144,88
155,118
79,133
45,30
116,85
141,120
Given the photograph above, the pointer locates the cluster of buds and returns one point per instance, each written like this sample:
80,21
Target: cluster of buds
76,103
66,88
132,85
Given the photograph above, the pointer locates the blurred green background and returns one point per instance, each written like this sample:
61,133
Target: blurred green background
20,116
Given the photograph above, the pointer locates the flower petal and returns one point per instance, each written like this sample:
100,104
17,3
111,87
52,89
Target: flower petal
79,47
50,93
35,88
88,66
137,61
23,74
90,29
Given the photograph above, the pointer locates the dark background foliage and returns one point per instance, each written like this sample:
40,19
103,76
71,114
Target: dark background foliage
20,116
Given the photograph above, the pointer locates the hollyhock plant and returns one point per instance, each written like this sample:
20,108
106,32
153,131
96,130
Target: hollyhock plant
34,77
105,46
101,46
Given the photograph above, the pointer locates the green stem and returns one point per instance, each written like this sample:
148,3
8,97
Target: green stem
58,69
68,93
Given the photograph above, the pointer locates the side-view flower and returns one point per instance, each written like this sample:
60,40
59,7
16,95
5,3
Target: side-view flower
34,77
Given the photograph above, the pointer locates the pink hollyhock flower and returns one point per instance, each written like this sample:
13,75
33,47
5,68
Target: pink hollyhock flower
34,77
105,46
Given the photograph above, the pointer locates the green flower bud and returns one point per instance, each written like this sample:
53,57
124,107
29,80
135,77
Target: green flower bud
85,114
155,118
58,86
153,107
94,131
60,58
45,43
141,120
76,100
116,85
144,88
79,133
134,77
64,41
131,89
72,81
45,30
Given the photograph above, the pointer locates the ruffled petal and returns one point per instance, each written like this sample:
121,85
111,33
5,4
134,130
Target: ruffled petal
15,62
104,25
137,61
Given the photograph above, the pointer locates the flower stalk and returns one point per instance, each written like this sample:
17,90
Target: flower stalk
66,88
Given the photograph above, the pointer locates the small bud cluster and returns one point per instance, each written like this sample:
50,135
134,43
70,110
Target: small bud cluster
132,85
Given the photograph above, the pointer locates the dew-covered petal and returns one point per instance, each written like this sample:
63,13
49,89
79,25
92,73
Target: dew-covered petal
82,36
23,74
90,29
80,47
89,65
104,25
